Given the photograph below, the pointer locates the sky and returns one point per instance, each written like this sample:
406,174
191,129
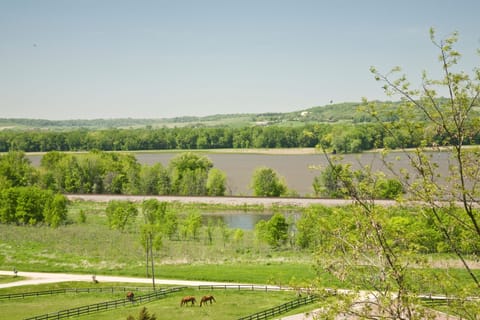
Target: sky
90,59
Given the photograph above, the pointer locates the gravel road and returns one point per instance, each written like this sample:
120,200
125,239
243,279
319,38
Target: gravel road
33,278
267,202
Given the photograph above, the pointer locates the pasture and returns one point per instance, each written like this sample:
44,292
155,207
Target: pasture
229,304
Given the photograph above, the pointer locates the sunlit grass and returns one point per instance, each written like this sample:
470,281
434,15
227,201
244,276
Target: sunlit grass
230,303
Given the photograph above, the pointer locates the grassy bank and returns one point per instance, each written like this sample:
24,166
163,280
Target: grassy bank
89,246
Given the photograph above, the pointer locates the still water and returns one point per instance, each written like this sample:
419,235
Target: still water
235,219
241,219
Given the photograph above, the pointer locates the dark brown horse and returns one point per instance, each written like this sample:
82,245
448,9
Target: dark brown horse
187,299
206,299
130,296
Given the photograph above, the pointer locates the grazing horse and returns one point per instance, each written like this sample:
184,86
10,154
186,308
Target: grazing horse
205,299
130,296
187,299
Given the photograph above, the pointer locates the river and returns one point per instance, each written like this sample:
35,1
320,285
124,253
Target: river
298,170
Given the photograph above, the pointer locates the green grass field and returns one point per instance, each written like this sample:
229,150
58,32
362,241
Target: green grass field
230,304
90,247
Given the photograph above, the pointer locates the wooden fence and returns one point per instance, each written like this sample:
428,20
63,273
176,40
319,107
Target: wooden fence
243,287
281,308
22,295
104,306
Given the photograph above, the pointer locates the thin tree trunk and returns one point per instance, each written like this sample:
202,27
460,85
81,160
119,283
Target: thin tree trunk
151,260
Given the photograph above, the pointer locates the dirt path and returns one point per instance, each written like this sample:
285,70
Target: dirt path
34,278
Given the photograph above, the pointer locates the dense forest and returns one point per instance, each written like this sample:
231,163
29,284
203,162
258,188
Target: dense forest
273,131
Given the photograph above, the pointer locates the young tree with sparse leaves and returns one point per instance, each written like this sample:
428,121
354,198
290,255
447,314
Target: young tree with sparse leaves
448,197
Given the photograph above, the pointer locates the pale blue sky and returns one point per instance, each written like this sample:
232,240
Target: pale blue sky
91,59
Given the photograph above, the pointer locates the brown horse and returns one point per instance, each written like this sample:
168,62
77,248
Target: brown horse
187,299
206,299
130,296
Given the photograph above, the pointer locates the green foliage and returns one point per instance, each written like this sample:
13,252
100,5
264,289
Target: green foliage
216,182
192,224
32,205
143,315
274,231
118,173
387,243
389,188
336,179
267,183
16,170
121,214
82,217
94,172
329,184
55,211
189,173
238,235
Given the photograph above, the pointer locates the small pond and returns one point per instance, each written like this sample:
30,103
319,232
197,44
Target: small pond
239,219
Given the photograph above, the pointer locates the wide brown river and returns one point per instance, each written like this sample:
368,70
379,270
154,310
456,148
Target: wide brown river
298,170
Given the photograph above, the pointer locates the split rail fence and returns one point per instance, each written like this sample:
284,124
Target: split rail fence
23,295
275,311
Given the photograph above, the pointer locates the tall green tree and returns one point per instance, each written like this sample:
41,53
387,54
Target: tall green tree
16,170
267,183
189,174
31,206
154,215
216,182
274,231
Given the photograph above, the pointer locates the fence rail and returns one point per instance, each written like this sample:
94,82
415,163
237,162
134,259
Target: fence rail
103,306
22,295
243,287
281,308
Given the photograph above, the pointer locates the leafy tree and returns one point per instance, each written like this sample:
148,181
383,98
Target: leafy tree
16,170
121,214
225,231
55,211
328,183
32,205
267,183
216,182
449,197
238,235
154,215
189,173
193,222
150,179
389,188
209,231
274,231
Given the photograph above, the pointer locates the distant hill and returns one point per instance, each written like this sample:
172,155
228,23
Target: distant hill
332,113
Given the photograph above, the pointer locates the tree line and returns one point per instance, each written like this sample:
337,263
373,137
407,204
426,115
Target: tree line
341,137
